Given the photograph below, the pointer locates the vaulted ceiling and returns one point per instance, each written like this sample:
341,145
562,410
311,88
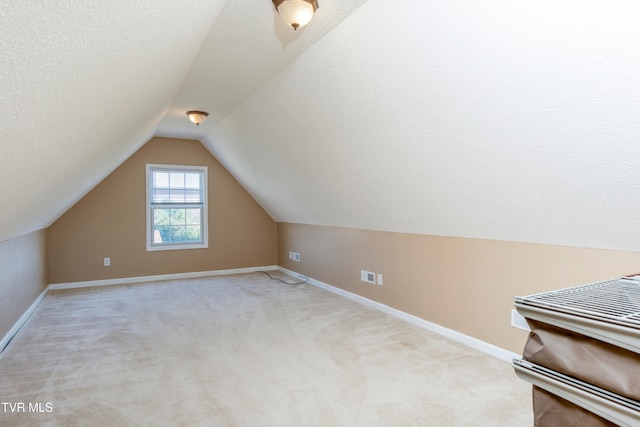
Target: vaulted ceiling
486,119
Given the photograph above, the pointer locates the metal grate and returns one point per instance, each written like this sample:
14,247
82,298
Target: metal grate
616,301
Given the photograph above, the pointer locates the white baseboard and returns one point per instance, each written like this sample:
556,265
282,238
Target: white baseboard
146,279
22,320
467,340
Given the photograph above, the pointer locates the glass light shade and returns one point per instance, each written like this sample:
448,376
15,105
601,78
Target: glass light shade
296,13
197,117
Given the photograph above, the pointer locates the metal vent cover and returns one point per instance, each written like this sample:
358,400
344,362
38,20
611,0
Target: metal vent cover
614,301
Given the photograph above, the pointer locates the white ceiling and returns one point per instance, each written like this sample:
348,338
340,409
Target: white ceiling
84,85
488,119
245,48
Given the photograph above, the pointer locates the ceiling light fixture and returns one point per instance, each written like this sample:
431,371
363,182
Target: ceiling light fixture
197,117
296,13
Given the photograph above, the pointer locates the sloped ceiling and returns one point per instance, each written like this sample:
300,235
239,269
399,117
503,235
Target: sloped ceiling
486,119
82,86
489,119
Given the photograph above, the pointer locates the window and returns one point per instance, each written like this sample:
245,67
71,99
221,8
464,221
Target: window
176,207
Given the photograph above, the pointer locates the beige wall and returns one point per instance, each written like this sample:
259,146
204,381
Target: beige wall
466,285
110,222
23,276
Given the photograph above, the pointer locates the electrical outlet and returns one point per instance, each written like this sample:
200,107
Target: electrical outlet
294,256
367,276
379,279
107,262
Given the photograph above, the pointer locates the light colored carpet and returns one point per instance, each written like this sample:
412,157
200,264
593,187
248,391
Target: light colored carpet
244,350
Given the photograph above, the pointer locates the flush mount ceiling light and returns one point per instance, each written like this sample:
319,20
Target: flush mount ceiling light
296,13
197,117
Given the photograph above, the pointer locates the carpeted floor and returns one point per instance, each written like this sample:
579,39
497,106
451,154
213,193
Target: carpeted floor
244,350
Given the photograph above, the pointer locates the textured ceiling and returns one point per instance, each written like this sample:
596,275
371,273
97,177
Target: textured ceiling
245,48
499,120
82,86
488,119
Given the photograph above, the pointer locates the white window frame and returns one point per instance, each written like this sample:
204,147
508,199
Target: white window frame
150,168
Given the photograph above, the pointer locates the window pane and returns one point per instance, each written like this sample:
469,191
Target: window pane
193,196
193,217
161,179
160,217
176,233
176,180
192,180
177,196
160,195
192,233
177,217
159,187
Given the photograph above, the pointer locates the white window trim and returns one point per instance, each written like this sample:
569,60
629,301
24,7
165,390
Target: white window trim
205,213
